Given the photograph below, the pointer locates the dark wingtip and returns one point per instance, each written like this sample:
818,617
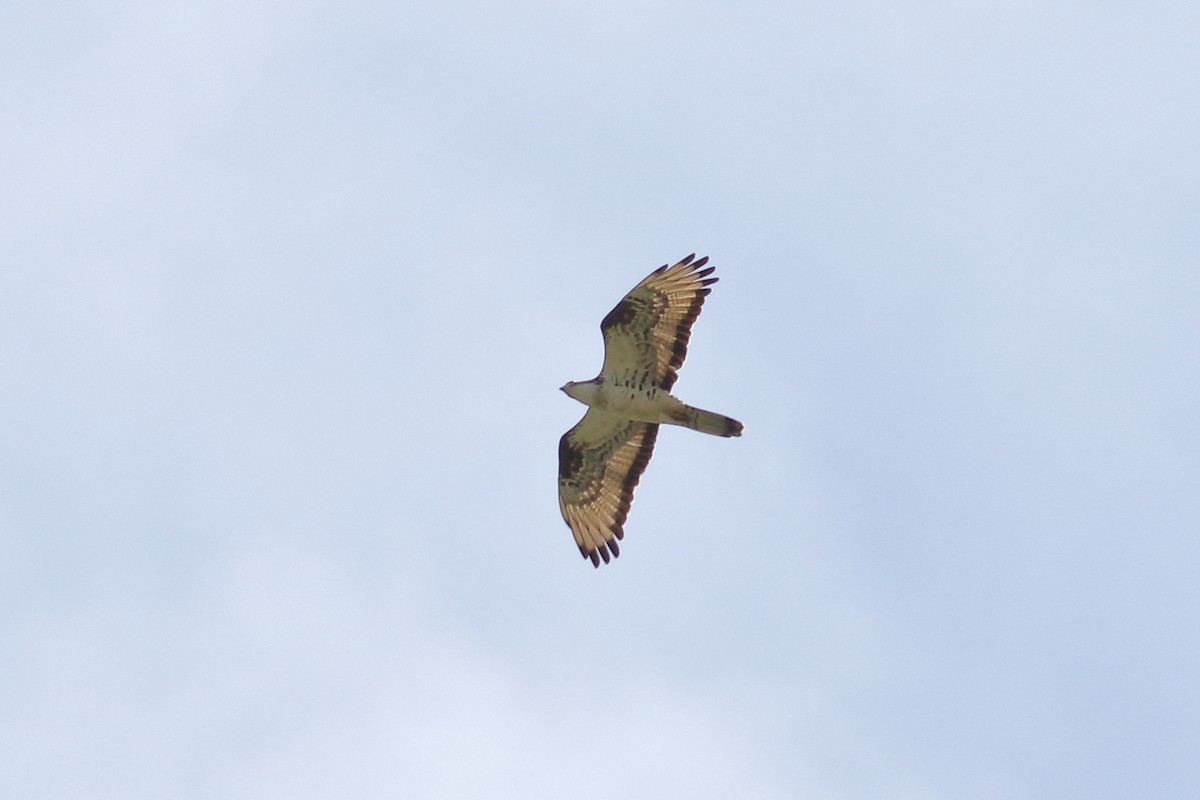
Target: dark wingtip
687,259
700,262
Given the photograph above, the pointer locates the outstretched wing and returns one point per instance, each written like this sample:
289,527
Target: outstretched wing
599,463
646,334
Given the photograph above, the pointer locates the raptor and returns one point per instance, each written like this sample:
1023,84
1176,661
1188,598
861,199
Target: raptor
601,459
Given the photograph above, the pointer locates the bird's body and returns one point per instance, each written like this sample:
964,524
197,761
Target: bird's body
602,458
630,399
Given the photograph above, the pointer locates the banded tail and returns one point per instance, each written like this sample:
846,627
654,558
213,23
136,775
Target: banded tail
707,421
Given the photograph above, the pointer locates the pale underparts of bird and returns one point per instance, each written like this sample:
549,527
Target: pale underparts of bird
601,459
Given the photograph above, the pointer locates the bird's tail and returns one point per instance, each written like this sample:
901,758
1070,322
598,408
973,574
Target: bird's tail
707,421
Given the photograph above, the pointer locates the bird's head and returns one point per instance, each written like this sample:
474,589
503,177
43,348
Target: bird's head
580,390
568,388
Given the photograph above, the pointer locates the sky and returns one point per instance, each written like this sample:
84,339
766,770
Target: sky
287,291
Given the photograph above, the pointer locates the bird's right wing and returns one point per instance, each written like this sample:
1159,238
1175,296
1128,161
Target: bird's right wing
599,463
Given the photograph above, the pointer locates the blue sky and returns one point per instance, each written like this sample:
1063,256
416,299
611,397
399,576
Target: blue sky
287,293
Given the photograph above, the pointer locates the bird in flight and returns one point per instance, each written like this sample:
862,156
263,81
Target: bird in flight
601,459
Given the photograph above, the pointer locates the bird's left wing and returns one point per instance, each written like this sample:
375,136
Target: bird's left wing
646,334
599,463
